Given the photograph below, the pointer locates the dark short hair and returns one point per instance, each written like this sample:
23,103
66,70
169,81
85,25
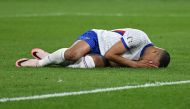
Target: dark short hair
164,59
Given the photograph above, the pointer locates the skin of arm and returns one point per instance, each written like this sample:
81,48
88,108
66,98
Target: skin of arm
114,55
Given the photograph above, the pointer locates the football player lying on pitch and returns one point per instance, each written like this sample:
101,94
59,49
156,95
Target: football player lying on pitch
99,48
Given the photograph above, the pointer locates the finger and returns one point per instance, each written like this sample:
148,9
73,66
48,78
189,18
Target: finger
151,62
153,66
148,65
145,65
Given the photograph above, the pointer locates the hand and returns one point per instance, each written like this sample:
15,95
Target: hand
145,64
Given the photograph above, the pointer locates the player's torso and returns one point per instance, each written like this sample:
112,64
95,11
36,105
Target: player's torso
107,39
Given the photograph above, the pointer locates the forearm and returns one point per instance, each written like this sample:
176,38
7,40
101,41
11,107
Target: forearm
122,61
114,55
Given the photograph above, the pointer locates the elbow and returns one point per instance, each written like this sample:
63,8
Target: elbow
108,55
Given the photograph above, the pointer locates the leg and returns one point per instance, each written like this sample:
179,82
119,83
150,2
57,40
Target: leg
66,55
86,43
99,60
80,49
39,54
89,61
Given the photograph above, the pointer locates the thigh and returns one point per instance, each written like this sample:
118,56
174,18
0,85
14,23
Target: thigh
91,38
76,51
86,43
80,48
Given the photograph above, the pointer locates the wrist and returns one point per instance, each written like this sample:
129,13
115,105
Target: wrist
134,64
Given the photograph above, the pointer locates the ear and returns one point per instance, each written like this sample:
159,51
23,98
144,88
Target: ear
155,51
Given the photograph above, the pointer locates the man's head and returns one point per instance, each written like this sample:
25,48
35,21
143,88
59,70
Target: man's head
164,59
159,56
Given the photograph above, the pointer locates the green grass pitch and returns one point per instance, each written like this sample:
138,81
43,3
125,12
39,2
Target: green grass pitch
52,24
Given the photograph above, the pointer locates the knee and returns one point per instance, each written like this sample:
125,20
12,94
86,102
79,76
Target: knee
71,55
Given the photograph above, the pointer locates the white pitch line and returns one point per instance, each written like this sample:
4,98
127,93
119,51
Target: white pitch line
94,14
93,91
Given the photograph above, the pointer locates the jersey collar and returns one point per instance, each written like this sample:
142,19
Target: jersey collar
148,45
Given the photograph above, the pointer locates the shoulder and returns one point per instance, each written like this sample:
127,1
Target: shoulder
135,37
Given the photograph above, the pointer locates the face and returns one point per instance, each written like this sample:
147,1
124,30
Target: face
155,55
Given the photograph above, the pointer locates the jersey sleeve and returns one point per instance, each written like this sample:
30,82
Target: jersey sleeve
131,41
